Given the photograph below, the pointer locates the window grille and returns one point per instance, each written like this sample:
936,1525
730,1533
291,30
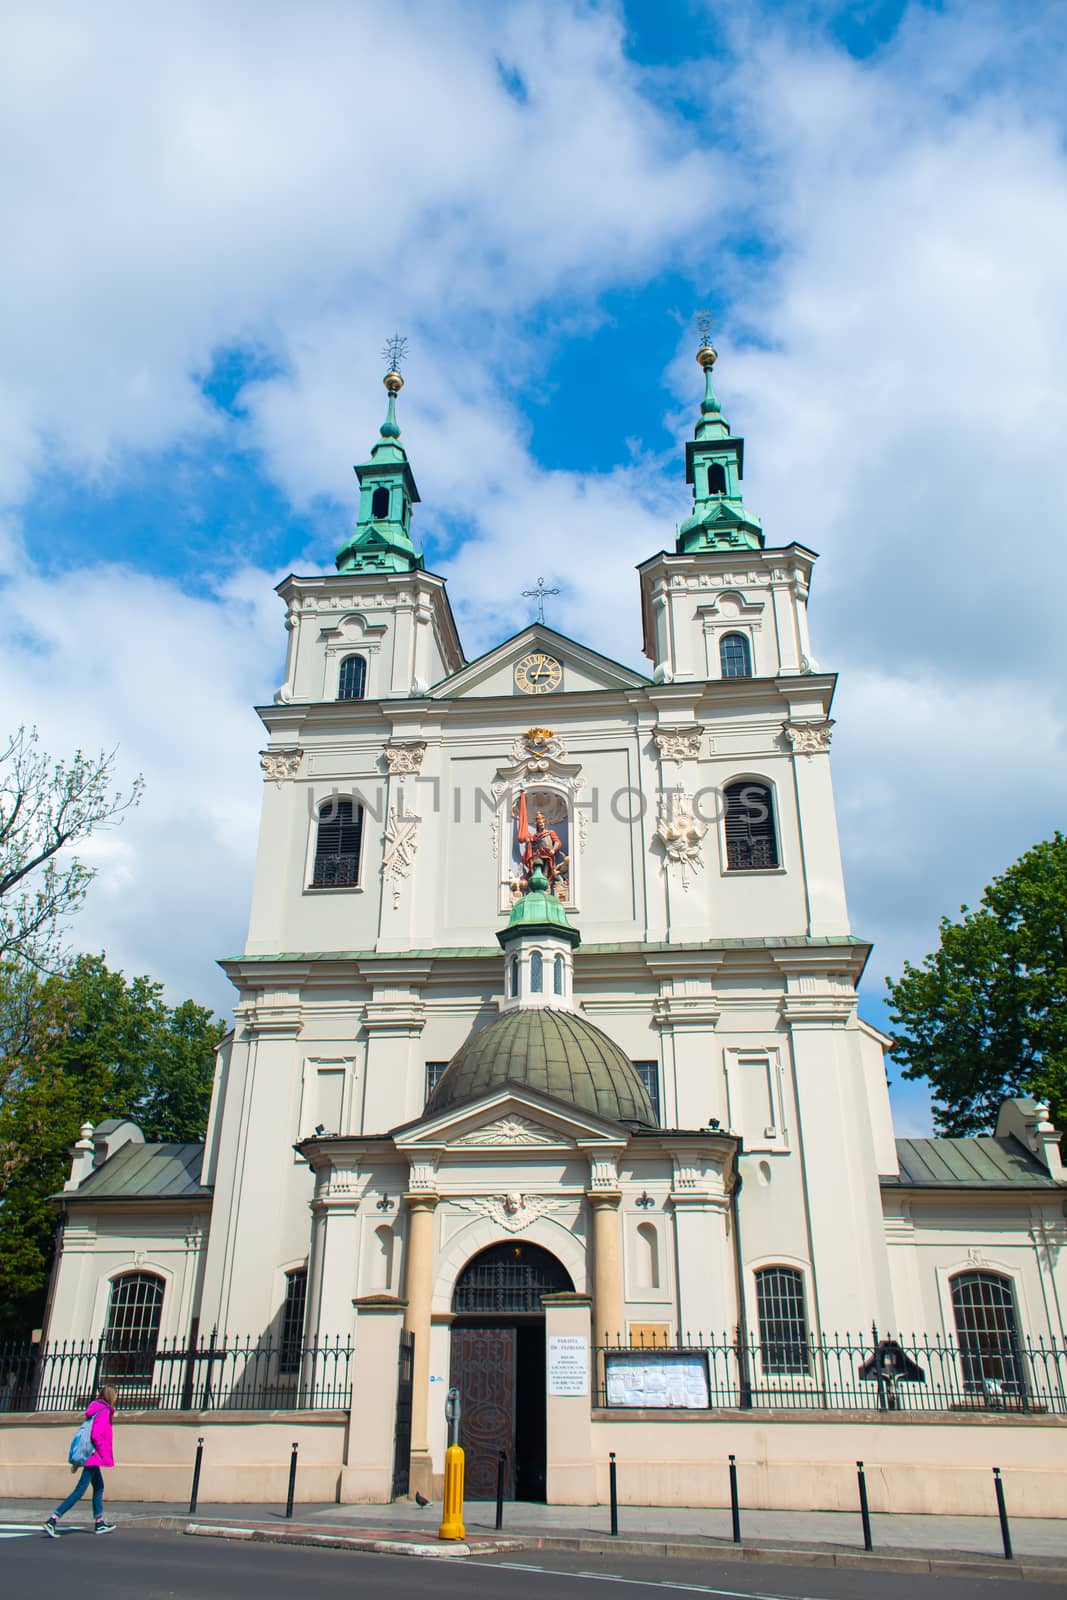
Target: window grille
352,678
783,1324
337,847
983,1304
751,841
133,1316
434,1071
735,656
509,1280
648,1072
292,1342
536,966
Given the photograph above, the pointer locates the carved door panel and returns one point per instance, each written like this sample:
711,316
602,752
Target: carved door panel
483,1370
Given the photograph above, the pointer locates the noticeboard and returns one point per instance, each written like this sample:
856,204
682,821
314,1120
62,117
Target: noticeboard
658,1379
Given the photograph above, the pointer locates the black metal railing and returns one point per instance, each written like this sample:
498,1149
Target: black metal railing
837,1372
173,1375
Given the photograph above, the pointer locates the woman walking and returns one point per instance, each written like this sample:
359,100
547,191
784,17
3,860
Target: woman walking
99,1413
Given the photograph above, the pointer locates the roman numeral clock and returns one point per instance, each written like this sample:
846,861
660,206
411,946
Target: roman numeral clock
538,673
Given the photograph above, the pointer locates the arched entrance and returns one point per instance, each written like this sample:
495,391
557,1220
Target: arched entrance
498,1365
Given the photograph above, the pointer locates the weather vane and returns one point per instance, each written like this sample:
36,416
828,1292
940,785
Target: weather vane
394,352
703,322
539,595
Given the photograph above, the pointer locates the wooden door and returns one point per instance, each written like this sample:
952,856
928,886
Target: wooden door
483,1370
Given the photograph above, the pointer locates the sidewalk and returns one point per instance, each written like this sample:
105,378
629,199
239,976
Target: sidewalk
655,1528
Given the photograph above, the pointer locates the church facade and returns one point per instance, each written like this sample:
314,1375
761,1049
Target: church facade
546,1067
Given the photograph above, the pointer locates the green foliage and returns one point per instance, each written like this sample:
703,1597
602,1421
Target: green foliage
79,1047
984,1017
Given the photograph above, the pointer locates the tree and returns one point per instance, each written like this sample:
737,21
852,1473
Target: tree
984,1017
46,808
91,1044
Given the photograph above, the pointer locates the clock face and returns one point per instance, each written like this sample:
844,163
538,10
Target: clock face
537,673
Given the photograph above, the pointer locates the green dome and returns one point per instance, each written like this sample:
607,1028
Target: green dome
556,1052
539,910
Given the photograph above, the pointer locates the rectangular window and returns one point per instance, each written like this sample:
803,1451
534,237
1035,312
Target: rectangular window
434,1069
648,1072
296,1284
338,843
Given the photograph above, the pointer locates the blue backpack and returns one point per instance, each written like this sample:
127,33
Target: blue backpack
81,1446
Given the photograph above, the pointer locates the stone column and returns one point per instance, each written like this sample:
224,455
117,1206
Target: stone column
418,1293
607,1277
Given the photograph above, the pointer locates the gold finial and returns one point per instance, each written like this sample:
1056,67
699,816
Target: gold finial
394,353
707,355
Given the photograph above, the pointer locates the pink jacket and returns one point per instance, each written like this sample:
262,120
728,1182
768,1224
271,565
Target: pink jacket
102,1455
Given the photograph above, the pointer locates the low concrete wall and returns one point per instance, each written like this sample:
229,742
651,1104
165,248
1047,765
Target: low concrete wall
246,1455
938,1464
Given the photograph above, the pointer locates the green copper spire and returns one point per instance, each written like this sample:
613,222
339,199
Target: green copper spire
714,463
381,541
539,910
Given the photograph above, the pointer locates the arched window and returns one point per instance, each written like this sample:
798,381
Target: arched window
513,971
647,1256
783,1323
557,975
379,503
716,478
751,841
132,1333
352,678
382,1262
536,972
292,1342
735,657
509,1280
337,846
983,1304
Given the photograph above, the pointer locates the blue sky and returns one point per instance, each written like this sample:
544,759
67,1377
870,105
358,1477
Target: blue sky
219,213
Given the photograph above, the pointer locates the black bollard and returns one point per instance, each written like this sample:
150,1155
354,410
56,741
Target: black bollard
194,1496
613,1478
1002,1512
500,1466
292,1482
865,1510
735,1504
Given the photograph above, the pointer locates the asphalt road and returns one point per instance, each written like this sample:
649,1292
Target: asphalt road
135,1565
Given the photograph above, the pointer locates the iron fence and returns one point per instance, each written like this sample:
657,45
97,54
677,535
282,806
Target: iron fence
213,1374
838,1373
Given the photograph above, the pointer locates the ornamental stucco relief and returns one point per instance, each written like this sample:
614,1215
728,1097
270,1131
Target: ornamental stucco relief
401,843
279,765
508,1131
512,1211
401,759
680,835
678,744
808,738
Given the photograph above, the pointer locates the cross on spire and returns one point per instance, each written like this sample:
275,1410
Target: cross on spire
539,594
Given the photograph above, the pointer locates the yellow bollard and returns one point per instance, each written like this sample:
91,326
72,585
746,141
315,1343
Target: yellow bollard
452,1521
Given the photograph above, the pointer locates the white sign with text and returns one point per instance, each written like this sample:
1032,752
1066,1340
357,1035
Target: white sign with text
568,1364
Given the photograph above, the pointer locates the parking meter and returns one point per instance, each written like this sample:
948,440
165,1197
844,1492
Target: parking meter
453,1407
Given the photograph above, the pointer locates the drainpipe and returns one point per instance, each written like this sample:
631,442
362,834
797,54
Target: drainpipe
744,1377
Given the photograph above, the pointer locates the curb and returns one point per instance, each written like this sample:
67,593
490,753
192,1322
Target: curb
347,1541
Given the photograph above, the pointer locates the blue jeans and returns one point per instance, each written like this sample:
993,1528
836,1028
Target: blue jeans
90,1475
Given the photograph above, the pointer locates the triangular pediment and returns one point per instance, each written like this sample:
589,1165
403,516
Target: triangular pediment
511,1118
518,661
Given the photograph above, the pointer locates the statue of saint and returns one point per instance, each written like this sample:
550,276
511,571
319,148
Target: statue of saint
541,847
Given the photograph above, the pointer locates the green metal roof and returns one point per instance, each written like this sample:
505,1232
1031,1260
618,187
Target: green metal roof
981,1163
556,1052
782,941
146,1172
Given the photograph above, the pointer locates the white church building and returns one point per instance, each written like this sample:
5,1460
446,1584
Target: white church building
547,1079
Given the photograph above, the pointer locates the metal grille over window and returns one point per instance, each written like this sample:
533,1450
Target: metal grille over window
735,657
783,1325
352,678
751,841
509,1280
983,1304
648,1072
434,1073
132,1335
337,846
296,1285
